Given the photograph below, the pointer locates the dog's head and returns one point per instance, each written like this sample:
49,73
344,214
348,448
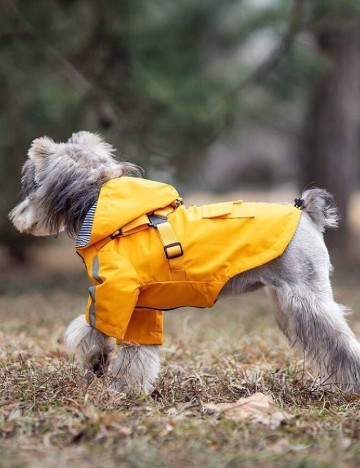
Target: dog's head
61,181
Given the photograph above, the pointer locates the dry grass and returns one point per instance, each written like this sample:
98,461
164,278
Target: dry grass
52,414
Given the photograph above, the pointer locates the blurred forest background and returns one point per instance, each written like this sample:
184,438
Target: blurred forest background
211,95
253,99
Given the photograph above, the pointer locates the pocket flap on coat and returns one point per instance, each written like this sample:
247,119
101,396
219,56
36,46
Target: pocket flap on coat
217,210
242,210
229,210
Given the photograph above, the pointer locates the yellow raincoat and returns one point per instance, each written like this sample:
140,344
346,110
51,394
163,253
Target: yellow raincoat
140,265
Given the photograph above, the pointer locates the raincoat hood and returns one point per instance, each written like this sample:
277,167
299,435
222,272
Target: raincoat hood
116,205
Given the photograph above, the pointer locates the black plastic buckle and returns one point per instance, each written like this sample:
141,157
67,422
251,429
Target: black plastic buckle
116,234
168,246
299,202
155,220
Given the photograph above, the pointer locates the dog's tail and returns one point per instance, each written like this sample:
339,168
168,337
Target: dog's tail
318,204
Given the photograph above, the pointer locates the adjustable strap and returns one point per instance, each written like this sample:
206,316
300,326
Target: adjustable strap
164,212
142,222
172,247
137,225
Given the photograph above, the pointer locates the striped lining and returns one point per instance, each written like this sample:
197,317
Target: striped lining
85,231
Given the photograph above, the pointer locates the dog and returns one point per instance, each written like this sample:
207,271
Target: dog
61,183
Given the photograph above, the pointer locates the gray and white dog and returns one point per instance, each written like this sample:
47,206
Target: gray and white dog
61,182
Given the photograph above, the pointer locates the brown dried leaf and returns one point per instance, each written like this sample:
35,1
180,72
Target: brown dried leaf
258,408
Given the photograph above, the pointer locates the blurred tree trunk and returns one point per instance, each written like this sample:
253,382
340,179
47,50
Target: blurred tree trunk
330,137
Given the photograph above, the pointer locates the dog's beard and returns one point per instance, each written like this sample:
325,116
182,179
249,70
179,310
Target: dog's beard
25,219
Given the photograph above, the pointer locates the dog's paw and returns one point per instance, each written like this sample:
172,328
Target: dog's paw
135,368
99,363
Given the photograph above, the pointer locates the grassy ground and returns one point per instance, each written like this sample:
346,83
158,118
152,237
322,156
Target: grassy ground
52,414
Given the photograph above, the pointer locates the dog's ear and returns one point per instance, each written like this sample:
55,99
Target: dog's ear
40,149
92,142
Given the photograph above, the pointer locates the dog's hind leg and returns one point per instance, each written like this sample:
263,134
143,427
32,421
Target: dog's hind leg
305,309
280,315
315,323
135,367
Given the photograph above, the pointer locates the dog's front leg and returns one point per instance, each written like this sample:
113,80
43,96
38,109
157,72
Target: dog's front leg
135,367
91,347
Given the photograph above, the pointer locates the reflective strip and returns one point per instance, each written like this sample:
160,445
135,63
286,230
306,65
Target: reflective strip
95,270
92,306
95,274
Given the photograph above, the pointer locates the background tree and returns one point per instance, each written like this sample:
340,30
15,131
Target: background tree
161,80
154,77
330,140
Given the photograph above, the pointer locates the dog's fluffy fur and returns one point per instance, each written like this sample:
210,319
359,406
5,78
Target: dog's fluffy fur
62,181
